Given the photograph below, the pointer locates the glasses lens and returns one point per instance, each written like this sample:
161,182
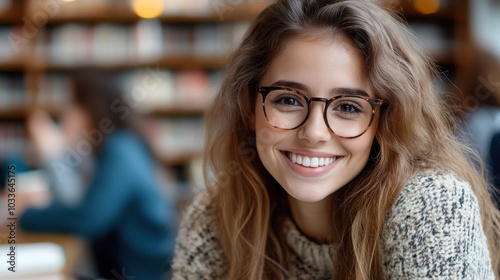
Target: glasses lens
349,116
285,109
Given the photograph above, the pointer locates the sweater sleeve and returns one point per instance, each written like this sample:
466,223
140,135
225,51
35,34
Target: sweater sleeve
434,231
197,251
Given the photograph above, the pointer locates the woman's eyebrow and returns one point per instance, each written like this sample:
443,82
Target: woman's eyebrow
349,91
335,91
291,84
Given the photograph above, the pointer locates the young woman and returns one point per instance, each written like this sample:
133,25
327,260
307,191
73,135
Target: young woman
329,155
118,207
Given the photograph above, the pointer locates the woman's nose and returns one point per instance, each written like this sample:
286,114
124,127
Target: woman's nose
315,130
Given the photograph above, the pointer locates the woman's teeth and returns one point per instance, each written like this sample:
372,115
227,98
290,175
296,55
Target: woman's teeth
311,161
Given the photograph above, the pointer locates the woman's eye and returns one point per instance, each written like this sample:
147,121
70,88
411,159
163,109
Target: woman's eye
288,101
348,108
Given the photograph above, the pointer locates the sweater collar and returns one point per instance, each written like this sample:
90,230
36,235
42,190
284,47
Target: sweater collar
318,256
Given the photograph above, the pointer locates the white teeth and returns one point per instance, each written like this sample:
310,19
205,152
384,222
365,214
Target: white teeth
314,162
311,161
306,161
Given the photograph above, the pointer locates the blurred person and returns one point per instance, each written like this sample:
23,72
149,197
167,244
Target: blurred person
102,175
329,155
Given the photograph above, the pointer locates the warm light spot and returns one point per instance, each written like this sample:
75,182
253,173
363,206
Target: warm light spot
148,8
426,6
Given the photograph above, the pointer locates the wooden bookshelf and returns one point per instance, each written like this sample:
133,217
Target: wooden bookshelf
181,62
13,114
452,33
13,14
124,14
16,65
177,112
42,61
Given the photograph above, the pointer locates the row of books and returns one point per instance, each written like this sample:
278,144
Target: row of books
13,45
171,90
174,138
13,139
146,90
55,90
12,91
144,41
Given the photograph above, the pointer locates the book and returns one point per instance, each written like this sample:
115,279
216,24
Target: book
32,259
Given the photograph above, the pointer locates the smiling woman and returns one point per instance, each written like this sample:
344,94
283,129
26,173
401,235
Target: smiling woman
356,174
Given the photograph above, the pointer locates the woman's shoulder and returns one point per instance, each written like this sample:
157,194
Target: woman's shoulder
432,196
434,229
197,253
125,147
435,186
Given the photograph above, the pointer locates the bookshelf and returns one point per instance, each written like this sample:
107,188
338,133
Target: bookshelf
188,44
446,35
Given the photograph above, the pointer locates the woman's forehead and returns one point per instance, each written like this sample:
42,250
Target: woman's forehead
318,63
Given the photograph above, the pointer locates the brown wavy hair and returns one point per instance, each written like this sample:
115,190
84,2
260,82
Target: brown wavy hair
250,204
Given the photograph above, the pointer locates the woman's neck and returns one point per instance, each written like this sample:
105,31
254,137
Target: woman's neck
315,220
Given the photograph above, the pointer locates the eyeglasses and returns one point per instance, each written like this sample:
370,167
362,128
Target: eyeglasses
347,116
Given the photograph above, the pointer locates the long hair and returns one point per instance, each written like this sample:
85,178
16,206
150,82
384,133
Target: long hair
250,204
99,93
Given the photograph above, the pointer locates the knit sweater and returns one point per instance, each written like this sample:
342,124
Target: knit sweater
433,230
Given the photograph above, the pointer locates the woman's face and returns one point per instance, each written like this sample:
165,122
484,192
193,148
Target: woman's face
318,68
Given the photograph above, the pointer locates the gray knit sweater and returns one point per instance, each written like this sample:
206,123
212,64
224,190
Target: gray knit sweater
433,230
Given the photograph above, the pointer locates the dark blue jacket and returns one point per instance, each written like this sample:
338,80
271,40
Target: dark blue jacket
123,213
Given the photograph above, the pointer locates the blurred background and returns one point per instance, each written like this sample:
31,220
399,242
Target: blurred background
169,57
